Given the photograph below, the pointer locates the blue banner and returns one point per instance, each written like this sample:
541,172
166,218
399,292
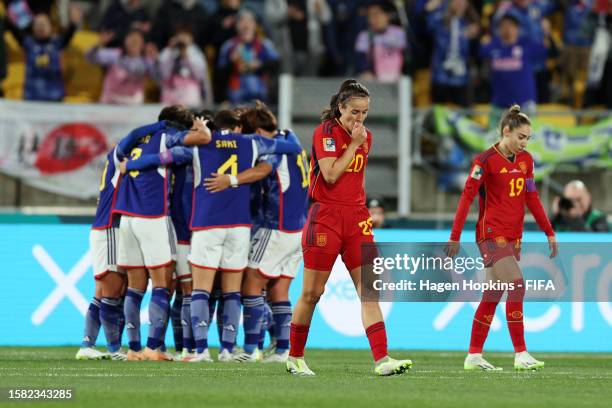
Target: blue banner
47,284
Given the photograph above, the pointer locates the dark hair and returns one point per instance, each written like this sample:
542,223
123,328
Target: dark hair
513,118
226,119
177,114
349,89
258,117
510,17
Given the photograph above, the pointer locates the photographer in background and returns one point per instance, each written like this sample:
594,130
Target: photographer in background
376,207
574,211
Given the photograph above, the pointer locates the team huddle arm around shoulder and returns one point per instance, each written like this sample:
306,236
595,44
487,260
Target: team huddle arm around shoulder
472,185
291,145
177,155
131,140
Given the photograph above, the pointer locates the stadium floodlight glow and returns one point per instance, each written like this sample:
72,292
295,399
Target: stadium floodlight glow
66,284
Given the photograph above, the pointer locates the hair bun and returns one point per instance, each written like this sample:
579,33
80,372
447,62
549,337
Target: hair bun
515,108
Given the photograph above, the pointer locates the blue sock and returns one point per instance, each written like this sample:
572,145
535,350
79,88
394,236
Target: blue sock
266,323
131,309
200,318
231,319
177,327
92,324
251,320
220,317
110,315
281,312
121,319
158,316
188,342
162,341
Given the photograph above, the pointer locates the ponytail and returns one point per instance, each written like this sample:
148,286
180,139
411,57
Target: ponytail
350,88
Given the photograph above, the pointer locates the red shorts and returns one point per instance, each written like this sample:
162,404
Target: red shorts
494,249
335,229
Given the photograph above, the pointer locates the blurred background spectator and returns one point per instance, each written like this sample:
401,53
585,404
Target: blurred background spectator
42,49
123,16
184,73
599,79
452,27
247,61
376,207
175,15
573,211
381,50
127,67
3,56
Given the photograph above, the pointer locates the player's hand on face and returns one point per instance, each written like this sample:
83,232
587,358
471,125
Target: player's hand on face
216,183
452,248
554,246
358,134
123,166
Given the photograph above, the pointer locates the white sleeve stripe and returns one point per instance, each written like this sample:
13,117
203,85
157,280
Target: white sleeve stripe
255,153
197,170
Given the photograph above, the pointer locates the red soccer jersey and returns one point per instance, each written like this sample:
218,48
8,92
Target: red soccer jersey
330,139
504,187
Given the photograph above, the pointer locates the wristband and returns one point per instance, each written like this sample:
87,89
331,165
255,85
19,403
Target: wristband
233,181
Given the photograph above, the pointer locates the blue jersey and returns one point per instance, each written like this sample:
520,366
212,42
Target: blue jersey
577,30
43,78
229,153
145,193
110,176
512,71
182,198
285,191
449,64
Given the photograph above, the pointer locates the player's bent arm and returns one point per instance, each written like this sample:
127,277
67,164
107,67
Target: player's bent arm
472,185
220,182
177,155
200,134
129,141
334,167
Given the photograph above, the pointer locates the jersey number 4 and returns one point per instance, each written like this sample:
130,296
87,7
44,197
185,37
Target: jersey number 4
230,164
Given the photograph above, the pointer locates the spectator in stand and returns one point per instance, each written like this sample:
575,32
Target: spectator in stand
531,15
511,68
3,56
380,51
221,28
184,73
599,81
127,68
123,16
248,61
42,49
577,41
348,20
376,207
453,28
179,15
574,211
295,30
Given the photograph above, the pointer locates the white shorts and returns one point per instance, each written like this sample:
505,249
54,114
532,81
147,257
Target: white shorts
146,242
275,253
183,271
103,245
225,249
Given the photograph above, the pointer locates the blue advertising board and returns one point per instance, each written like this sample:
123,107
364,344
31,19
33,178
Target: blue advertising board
47,283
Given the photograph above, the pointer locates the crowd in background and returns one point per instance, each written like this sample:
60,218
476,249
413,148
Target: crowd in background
200,52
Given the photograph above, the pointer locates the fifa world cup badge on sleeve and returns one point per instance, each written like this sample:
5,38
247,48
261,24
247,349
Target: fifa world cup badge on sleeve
329,144
477,172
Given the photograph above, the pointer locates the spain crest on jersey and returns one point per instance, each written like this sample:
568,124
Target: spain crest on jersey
329,144
523,167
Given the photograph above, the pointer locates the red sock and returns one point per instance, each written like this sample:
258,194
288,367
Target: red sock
377,336
481,324
297,339
514,315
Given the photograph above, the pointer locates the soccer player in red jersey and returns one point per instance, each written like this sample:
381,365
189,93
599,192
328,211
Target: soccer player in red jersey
503,178
339,222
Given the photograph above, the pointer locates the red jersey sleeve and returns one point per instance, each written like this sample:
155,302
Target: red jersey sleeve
475,179
324,143
532,199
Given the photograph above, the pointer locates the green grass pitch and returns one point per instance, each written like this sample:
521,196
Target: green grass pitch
344,379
